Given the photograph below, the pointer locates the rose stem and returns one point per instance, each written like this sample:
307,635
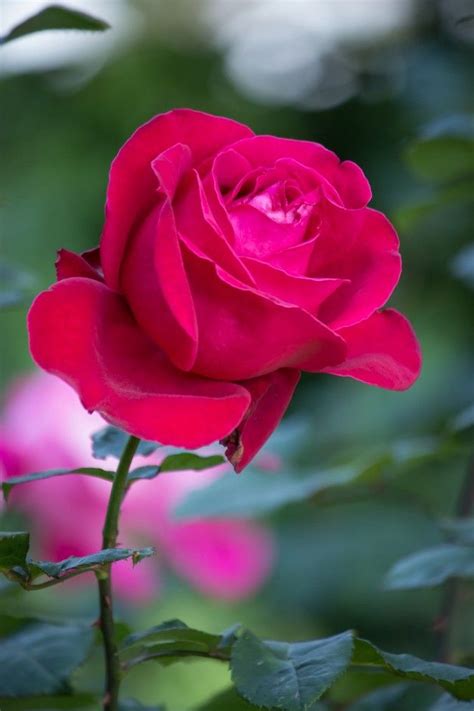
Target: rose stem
463,509
109,540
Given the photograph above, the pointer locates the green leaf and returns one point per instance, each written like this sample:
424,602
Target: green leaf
8,485
228,700
50,703
15,285
171,640
40,658
91,562
460,530
9,624
462,266
459,193
16,565
176,462
442,159
56,17
189,460
447,703
288,676
13,550
134,705
110,442
229,636
387,698
464,420
459,681
446,152
255,493
431,567
147,472
6,588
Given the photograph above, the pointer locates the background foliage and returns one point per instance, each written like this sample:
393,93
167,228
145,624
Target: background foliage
370,477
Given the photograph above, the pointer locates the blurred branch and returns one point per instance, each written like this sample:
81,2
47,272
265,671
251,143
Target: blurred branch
444,624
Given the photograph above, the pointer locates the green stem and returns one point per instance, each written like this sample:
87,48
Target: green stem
109,540
450,599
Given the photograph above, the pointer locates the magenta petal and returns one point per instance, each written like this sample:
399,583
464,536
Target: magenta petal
69,264
257,235
84,333
346,177
243,333
302,291
196,223
156,287
170,166
230,167
352,185
294,260
228,560
132,183
382,351
271,395
362,246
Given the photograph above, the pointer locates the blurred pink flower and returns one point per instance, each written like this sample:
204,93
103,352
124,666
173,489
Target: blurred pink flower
44,427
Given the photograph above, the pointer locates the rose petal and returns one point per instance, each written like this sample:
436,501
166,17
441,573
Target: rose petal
271,395
362,246
243,333
132,184
257,235
170,166
346,177
302,291
195,221
157,289
228,560
294,260
85,334
217,206
139,584
229,168
69,264
171,276
382,351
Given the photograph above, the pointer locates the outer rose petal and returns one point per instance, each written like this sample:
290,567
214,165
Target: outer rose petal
360,245
305,292
244,333
226,559
157,289
85,334
382,351
132,183
271,395
170,166
346,177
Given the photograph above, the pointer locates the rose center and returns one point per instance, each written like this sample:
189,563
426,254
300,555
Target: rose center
271,218
281,203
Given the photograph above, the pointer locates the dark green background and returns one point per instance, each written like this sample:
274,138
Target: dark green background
56,149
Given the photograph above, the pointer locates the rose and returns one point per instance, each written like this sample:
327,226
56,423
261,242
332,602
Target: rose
228,264
225,559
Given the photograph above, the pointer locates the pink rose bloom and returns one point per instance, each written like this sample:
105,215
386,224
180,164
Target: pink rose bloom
228,264
44,427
